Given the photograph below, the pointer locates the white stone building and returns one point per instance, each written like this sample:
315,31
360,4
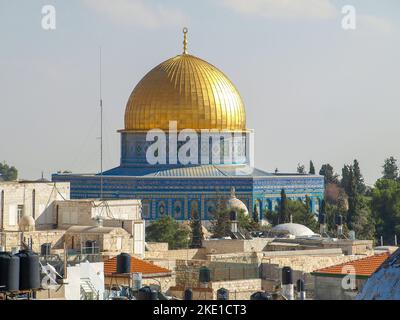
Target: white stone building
43,210
34,199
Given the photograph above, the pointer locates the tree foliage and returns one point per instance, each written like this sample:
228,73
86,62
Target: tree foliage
301,169
197,231
166,229
8,173
385,204
330,176
312,168
284,215
390,169
220,220
301,213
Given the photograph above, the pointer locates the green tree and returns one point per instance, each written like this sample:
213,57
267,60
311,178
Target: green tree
301,213
197,230
390,169
359,216
361,220
346,178
284,215
312,168
221,224
359,179
168,230
385,206
301,169
328,173
8,173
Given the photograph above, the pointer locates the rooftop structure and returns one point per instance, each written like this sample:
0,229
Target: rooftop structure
295,229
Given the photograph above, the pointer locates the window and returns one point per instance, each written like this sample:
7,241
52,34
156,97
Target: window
20,212
12,215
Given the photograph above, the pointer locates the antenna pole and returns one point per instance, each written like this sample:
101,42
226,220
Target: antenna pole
101,132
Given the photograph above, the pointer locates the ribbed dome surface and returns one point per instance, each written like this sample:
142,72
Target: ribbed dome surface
188,90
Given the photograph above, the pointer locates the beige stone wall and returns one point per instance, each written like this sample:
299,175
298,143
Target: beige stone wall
107,242
181,254
36,200
157,246
70,213
238,290
308,263
187,272
330,288
165,282
83,212
236,246
198,293
13,239
248,257
223,246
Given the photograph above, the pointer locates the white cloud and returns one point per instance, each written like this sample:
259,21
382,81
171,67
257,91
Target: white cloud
322,9
138,12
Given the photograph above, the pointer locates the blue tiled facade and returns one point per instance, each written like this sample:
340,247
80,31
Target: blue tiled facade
179,190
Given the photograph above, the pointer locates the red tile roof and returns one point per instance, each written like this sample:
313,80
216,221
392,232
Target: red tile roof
364,267
137,265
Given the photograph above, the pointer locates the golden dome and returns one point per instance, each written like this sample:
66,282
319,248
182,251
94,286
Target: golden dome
188,90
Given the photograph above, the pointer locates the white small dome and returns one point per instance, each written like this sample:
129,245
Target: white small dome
298,230
235,204
27,223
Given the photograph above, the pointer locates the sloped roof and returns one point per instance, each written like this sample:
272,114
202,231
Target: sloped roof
137,265
189,171
364,267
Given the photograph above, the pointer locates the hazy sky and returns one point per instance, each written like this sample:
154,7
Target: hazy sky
312,90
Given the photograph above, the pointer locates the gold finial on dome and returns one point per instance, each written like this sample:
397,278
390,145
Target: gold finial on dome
233,191
188,90
185,31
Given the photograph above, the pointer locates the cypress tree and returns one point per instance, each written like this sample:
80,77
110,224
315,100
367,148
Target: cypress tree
283,208
197,231
312,168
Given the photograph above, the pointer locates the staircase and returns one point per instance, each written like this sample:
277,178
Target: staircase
88,291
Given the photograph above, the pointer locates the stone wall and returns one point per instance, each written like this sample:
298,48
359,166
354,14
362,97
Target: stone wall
330,288
238,289
197,293
157,246
181,254
117,240
307,263
30,198
13,239
248,257
235,246
165,282
271,268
